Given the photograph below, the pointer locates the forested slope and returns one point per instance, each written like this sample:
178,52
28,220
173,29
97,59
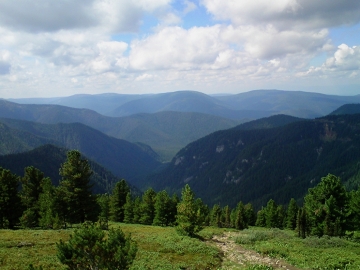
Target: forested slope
256,165
48,159
122,158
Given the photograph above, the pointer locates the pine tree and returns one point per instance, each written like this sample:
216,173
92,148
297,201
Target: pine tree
271,214
137,210
173,209
76,189
162,209
226,217
215,216
326,203
250,214
240,221
129,209
103,201
118,200
190,217
32,187
261,218
10,203
354,218
291,214
49,218
301,223
281,216
147,207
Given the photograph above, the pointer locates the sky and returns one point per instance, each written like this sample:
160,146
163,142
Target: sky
65,47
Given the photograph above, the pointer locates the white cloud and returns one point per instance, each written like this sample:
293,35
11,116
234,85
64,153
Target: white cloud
44,15
52,16
286,14
269,42
76,45
345,58
177,48
345,62
189,6
145,77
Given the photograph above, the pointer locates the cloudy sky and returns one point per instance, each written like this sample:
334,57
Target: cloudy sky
64,47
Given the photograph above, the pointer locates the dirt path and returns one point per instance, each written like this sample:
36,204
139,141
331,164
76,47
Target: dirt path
242,257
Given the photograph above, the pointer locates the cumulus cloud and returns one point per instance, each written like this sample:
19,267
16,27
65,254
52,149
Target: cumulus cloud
177,48
344,62
51,16
269,42
286,14
79,43
345,58
44,15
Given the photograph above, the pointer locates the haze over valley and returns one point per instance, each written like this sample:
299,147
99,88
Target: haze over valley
221,145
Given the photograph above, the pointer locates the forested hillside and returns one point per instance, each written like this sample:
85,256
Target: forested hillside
12,140
268,122
122,158
48,158
257,165
347,109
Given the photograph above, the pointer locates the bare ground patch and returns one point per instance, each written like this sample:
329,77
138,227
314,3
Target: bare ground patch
240,257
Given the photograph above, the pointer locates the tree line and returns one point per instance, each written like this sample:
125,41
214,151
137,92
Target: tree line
327,209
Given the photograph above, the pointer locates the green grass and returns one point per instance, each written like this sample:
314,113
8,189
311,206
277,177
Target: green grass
163,248
21,247
310,253
158,248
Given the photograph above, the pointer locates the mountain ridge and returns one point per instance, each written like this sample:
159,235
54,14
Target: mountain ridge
256,165
246,105
134,128
124,159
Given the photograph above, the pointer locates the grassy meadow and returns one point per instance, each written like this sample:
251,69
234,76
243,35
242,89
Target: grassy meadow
163,248
158,248
309,253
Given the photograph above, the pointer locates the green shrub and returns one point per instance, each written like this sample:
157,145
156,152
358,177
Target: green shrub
252,236
325,242
90,248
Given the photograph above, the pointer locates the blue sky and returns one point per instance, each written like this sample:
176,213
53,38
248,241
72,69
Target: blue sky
60,48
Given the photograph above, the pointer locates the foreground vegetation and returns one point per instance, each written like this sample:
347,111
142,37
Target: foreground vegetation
158,248
309,253
317,231
163,248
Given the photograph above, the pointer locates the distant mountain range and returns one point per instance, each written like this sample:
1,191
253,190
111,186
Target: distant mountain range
286,145
124,159
165,132
254,165
244,106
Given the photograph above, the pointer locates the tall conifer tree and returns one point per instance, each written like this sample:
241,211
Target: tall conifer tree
118,200
76,188
10,203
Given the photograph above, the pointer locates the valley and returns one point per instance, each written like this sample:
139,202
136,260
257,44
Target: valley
256,180
166,140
